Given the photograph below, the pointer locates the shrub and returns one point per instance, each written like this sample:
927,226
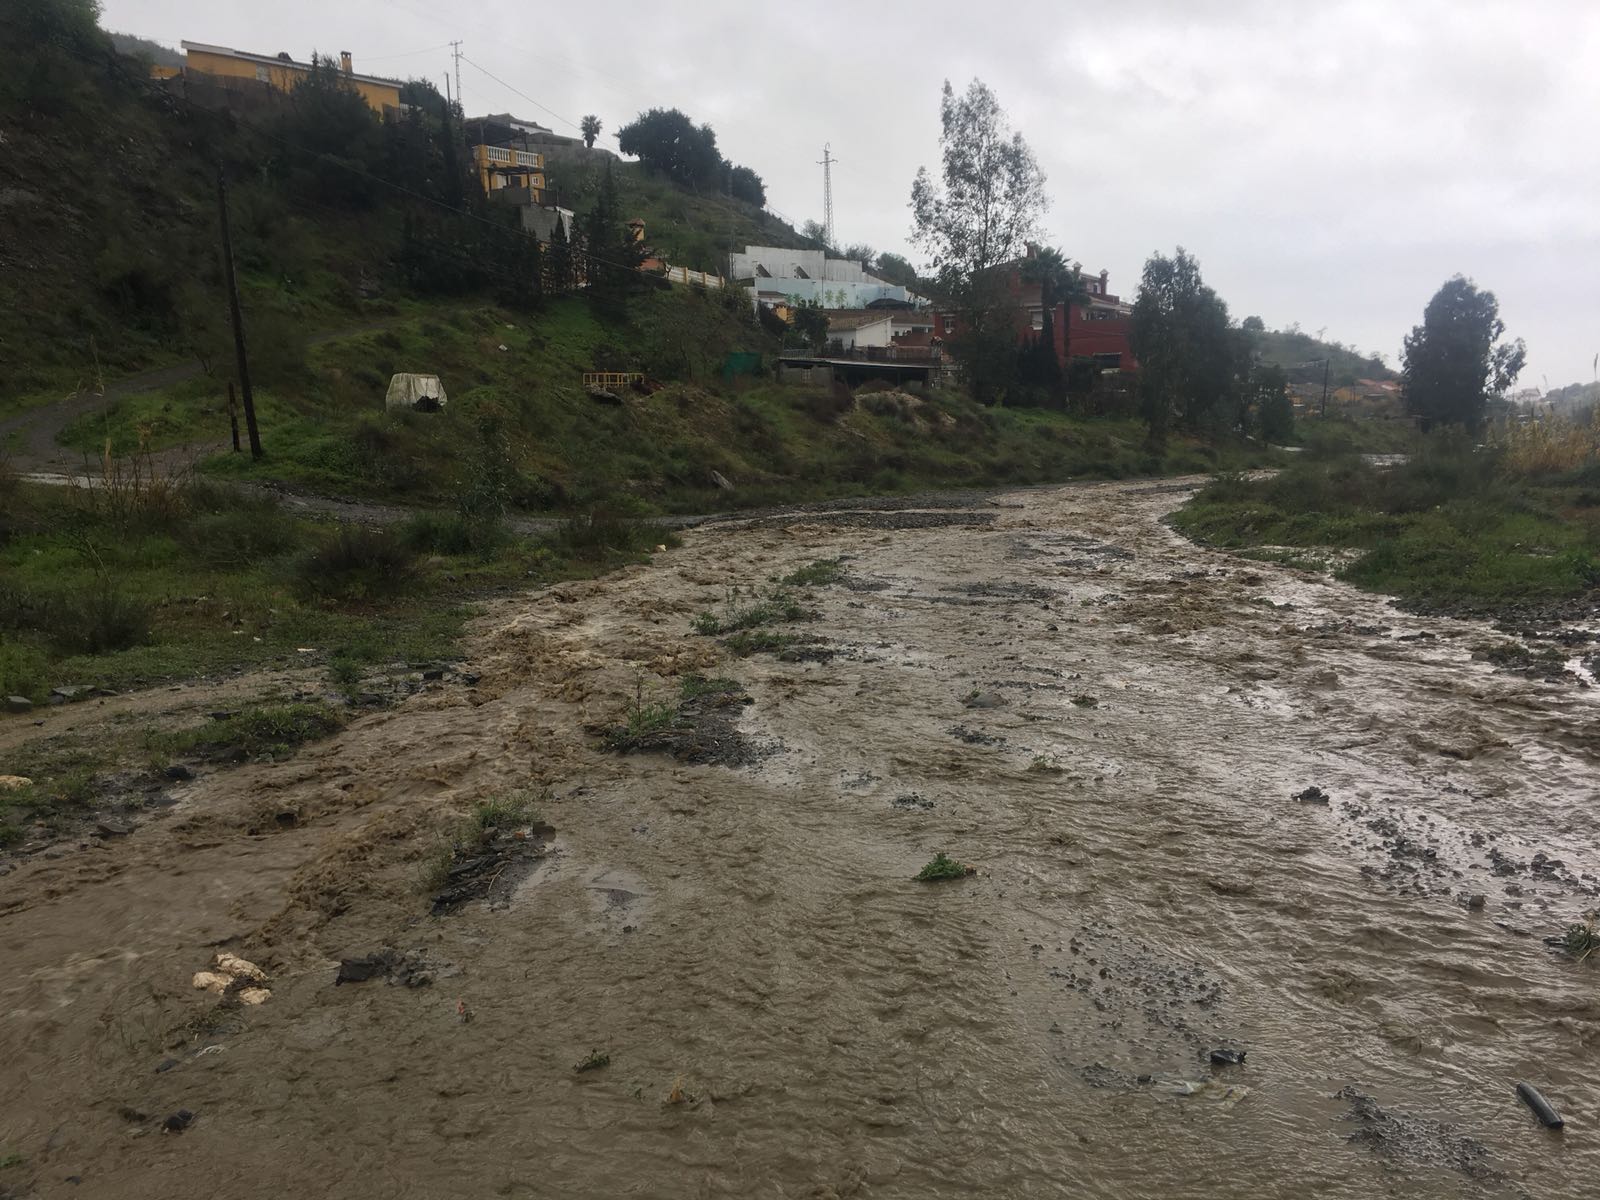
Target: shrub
22,670
941,867
603,533
452,533
357,563
98,620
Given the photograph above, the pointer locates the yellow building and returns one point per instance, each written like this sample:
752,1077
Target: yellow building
282,72
502,167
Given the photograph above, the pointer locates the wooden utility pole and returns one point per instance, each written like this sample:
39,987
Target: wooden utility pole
1324,412
238,321
233,417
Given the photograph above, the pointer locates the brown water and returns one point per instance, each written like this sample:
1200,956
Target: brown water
1147,890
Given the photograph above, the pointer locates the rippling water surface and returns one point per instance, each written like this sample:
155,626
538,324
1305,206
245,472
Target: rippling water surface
1112,725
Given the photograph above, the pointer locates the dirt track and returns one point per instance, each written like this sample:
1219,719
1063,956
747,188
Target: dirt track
1148,890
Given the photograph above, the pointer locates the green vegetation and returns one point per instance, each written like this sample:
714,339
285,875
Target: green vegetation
765,609
488,820
821,573
593,1062
1582,938
1452,364
1455,527
11,1159
270,730
692,687
1287,348
941,867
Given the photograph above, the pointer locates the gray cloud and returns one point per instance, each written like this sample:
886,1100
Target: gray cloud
1330,164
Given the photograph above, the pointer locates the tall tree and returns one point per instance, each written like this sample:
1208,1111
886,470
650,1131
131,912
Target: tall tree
1190,359
1452,362
746,185
896,270
558,259
1060,282
977,216
612,254
591,130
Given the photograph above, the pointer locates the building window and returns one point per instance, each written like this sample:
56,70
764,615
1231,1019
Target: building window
262,76
1036,316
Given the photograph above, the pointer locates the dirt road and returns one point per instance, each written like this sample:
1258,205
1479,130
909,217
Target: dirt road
1112,725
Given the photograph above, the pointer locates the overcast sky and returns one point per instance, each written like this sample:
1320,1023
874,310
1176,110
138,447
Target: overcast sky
1331,163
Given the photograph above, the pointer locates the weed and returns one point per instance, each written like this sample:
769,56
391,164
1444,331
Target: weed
603,533
762,641
691,687
274,730
775,606
453,533
345,674
500,813
821,573
1582,938
357,563
593,1062
1046,764
941,867
11,1159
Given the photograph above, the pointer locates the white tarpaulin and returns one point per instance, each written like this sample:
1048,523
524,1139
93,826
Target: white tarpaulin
421,392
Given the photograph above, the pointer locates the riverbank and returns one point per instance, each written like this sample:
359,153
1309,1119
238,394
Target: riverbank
1111,724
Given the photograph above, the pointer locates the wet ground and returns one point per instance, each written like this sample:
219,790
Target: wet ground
1213,805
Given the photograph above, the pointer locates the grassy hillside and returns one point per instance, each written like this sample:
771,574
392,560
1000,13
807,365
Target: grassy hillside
685,228
1290,347
516,396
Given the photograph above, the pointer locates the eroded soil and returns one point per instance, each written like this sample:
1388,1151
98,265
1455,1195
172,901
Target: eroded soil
1120,730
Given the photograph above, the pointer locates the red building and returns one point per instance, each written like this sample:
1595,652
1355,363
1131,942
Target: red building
1098,328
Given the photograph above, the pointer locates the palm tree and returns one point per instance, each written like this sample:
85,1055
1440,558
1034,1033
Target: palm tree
591,130
1060,282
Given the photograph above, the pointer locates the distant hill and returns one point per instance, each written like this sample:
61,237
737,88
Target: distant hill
138,47
1291,348
1574,398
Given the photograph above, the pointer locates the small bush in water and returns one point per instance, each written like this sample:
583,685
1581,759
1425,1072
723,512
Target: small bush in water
944,867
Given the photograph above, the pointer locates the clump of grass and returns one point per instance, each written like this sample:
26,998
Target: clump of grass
1582,938
11,1159
356,563
821,573
603,534
274,730
482,825
942,867
453,533
595,1060
762,641
776,606
692,687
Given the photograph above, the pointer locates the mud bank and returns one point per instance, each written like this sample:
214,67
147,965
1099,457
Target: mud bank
1114,726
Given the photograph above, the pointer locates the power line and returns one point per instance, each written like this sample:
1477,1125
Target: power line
405,54
524,95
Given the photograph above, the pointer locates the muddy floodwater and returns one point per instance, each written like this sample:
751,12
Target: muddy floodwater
1113,726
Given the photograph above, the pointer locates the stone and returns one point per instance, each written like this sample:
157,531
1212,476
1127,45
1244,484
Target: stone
18,704
721,480
178,773
114,827
11,783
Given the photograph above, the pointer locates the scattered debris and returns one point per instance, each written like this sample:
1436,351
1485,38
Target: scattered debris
912,801
178,1121
1086,701
1415,1139
1228,1058
463,1013
1580,939
593,1062
1547,1115
407,968
977,699
12,783
1313,795
234,977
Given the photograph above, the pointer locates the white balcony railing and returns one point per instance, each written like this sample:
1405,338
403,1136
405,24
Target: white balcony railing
506,157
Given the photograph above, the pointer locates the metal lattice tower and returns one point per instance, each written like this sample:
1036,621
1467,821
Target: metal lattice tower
826,163
455,48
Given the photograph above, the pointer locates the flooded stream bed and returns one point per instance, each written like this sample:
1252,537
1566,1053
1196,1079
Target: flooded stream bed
1213,805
